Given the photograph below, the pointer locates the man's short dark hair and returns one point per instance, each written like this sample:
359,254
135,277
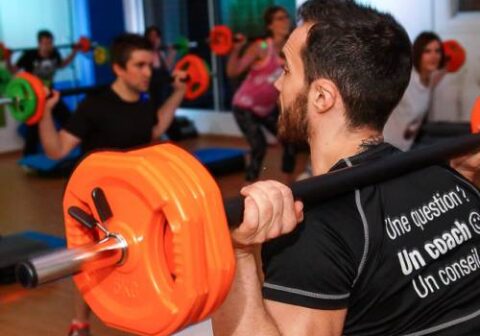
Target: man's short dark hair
44,34
367,54
123,46
419,45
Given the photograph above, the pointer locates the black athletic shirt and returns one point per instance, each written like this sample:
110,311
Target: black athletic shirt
42,67
105,121
402,256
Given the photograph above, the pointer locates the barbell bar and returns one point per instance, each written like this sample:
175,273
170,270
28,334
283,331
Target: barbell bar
84,44
182,45
220,40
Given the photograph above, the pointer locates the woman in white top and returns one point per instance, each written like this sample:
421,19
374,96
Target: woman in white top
428,69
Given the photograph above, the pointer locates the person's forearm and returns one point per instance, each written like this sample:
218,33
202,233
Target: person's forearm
232,64
68,59
49,137
243,312
166,112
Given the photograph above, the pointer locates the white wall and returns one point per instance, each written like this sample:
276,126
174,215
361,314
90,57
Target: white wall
414,15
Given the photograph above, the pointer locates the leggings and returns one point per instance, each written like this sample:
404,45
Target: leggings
251,127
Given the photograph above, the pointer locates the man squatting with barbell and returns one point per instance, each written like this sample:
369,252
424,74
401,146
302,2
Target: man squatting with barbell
396,258
118,118
43,62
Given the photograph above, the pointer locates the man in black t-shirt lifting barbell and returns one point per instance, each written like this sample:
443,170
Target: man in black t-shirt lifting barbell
121,116
399,257
43,62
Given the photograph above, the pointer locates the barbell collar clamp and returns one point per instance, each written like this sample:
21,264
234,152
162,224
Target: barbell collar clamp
87,220
101,204
110,251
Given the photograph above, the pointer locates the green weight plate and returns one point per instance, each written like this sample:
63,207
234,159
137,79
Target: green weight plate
5,77
182,46
24,99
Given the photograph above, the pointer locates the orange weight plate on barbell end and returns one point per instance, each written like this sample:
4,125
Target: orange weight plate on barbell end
221,40
208,200
84,44
159,158
220,256
40,93
455,55
139,296
198,75
475,117
219,250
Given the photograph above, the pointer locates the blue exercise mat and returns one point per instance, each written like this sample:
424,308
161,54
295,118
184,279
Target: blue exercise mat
51,241
221,160
41,163
209,155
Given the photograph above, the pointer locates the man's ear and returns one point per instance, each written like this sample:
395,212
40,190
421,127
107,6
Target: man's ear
323,94
117,69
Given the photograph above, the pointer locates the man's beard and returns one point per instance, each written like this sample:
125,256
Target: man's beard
292,122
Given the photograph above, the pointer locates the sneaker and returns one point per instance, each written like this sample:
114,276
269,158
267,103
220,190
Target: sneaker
79,329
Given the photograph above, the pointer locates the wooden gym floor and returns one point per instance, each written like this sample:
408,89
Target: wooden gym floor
30,203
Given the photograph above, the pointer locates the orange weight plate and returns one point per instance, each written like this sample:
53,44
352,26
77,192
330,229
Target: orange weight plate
220,257
198,75
455,55
141,295
219,251
84,44
221,40
160,158
475,117
41,95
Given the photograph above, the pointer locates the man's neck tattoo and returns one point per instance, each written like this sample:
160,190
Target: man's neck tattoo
370,142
